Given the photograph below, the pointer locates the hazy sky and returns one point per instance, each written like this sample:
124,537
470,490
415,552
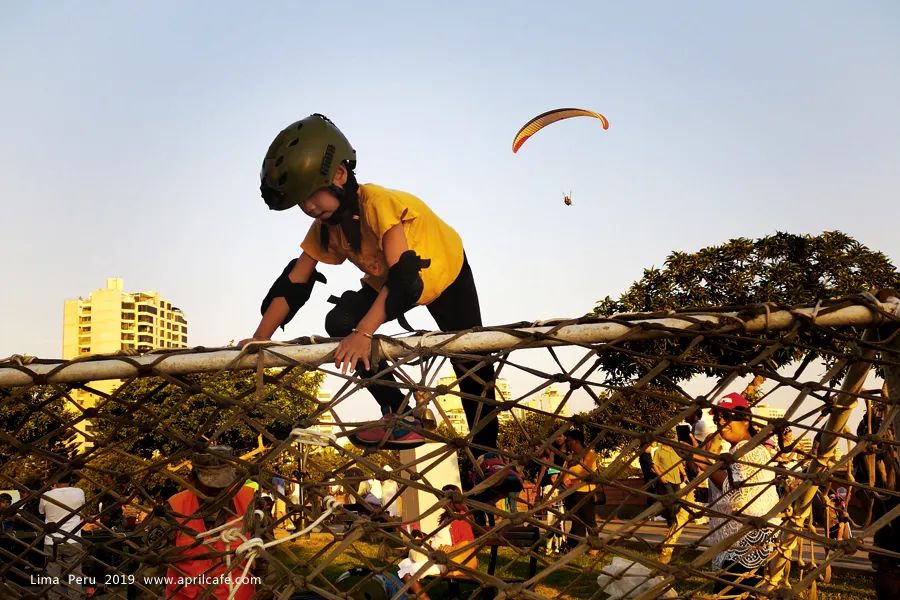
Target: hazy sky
133,133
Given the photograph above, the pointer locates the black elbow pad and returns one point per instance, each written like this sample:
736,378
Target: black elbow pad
296,294
404,284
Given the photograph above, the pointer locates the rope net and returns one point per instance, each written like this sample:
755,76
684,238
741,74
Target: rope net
813,488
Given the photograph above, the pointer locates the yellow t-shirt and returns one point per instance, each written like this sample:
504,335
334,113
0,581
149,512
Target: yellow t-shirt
380,209
579,470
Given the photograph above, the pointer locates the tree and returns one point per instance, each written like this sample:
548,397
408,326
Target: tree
782,269
38,431
523,437
153,419
151,416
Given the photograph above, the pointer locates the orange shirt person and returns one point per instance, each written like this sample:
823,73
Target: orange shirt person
199,564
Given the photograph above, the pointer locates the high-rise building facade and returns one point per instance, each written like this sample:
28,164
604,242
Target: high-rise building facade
325,423
111,320
451,410
550,401
768,413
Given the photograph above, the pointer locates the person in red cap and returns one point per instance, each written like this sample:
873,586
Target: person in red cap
739,490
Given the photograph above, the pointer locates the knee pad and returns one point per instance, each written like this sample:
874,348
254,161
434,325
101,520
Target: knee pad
347,311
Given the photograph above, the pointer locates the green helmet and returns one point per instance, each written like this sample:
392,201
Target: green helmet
302,159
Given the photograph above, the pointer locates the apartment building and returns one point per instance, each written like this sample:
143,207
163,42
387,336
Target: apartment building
325,423
550,401
111,319
451,405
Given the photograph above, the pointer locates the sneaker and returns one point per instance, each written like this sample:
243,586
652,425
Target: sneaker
390,433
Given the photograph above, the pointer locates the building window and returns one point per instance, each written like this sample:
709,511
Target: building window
145,319
147,309
128,306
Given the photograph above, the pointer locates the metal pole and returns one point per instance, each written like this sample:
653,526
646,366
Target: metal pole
282,355
303,450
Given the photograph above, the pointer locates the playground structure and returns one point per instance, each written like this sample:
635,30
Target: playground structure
842,354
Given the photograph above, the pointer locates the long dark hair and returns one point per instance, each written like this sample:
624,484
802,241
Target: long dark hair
347,216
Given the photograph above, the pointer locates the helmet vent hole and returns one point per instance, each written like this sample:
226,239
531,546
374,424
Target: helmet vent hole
327,159
299,126
279,160
293,142
282,179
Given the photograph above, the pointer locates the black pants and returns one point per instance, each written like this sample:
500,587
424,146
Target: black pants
456,308
581,508
665,488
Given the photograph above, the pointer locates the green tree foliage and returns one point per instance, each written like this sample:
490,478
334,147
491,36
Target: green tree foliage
147,429
155,416
523,437
37,431
782,270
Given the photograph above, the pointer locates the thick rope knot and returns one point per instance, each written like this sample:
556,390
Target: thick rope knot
231,534
251,547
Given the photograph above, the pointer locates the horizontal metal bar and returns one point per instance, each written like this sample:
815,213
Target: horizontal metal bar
491,340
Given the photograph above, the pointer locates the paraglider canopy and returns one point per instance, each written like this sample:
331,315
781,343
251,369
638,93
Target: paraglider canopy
542,120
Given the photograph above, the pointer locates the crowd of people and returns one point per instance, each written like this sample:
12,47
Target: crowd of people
736,498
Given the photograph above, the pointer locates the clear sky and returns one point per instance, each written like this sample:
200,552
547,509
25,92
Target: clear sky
133,133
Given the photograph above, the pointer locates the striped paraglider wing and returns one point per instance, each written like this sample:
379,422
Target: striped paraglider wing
542,120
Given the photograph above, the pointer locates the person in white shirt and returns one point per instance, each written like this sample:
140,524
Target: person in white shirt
371,492
390,495
740,490
61,507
